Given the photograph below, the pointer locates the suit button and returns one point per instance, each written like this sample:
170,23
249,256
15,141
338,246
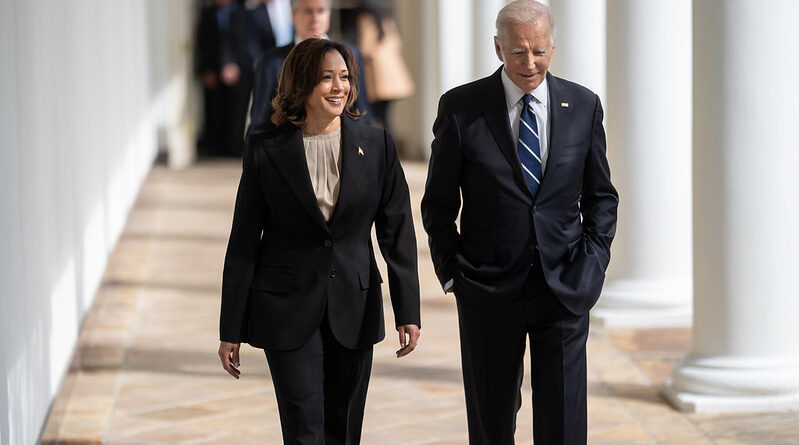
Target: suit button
332,272
535,209
328,243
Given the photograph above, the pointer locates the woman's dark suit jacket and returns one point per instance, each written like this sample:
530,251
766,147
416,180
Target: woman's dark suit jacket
285,266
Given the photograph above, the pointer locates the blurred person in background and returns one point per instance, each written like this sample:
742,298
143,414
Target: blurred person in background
311,18
226,70
386,74
300,277
270,25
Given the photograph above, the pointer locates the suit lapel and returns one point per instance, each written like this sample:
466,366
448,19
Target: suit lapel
288,155
559,121
495,112
351,176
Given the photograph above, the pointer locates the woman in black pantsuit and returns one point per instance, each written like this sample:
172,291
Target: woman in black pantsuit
300,278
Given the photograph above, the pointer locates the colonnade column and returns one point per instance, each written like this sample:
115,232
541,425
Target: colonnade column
449,42
180,128
580,49
412,118
456,50
648,113
745,353
485,18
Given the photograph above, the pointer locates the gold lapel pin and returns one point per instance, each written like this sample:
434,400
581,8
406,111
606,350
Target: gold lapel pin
360,151
564,105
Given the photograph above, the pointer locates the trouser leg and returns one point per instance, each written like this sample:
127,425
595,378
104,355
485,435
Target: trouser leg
212,122
347,374
492,353
559,379
321,390
298,377
239,104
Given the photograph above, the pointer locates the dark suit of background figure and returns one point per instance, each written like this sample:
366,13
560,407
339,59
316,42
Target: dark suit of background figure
267,74
223,39
279,287
521,265
262,36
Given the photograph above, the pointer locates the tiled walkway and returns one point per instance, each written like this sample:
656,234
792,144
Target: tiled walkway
146,369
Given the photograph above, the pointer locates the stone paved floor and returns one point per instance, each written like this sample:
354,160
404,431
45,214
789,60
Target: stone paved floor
146,371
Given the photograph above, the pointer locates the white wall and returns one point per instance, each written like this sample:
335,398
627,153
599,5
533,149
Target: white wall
77,137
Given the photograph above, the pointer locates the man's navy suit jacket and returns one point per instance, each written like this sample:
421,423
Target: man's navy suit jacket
261,37
570,223
267,74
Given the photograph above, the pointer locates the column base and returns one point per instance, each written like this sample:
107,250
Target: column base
733,385
644,304
705,404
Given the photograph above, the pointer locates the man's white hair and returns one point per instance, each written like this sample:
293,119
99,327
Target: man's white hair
525,11
296,4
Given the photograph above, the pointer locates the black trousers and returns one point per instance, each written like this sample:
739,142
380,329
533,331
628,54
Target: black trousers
492,354
321,390
225,110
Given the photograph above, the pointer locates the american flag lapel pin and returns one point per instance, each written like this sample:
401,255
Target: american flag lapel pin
360,152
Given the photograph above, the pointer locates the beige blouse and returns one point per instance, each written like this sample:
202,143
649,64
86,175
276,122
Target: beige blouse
323,153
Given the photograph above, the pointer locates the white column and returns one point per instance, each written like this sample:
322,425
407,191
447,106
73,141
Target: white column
412,118
172,79
745,354
455,57
580,48
440,44
484,29
649,144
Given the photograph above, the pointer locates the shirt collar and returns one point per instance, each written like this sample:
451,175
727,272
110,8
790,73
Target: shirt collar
513,93
298,40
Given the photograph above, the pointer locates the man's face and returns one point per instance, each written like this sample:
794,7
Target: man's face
311,18
526,49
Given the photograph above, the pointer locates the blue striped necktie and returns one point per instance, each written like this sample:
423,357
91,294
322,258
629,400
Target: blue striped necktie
529,148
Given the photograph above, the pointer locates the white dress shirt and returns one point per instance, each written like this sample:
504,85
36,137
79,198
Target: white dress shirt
540,104
280,19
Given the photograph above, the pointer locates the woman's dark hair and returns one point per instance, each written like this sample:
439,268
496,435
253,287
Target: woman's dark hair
301,72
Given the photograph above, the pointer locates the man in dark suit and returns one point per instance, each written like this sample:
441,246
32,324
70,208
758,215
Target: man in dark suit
311,18
262,36
526,152
226,69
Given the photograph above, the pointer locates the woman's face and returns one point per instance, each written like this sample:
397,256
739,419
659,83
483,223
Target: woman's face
329,97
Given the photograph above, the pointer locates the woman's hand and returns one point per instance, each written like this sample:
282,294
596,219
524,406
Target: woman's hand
229,354
407,345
